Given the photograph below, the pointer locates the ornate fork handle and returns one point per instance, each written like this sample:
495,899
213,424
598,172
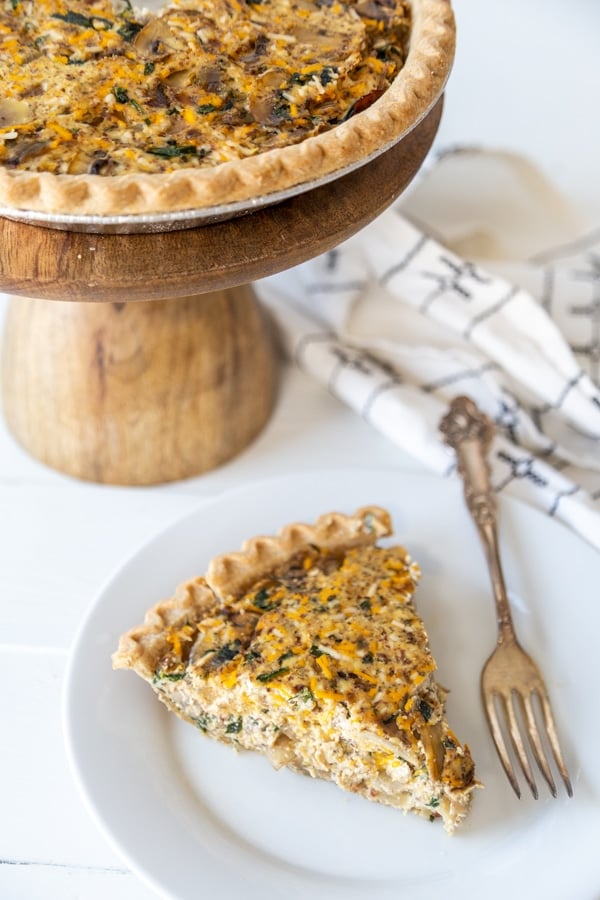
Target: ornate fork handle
510,679
469,432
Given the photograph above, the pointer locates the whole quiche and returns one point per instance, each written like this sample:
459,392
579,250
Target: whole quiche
108,109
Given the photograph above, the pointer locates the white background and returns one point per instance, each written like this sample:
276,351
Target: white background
526,78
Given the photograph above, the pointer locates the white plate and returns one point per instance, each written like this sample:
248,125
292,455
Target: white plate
196,820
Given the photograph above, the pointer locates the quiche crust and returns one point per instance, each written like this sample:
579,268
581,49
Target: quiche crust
410,96
306,647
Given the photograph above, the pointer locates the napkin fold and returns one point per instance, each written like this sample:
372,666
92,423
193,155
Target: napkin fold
483,280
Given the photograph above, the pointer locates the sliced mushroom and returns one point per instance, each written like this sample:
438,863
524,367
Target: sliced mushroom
82,163
236,116
272,80
159,99
267,106
14,112
305,5
25,151
373,9
210,77
179,79
152,42
254,57
268,110
100,164
35,91
94,119
326,46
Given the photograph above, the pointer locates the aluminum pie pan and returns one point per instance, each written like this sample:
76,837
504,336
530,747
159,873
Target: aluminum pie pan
191,218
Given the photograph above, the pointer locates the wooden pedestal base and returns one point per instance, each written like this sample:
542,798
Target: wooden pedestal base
124,392
138,393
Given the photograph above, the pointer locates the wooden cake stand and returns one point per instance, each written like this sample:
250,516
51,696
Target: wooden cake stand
122,392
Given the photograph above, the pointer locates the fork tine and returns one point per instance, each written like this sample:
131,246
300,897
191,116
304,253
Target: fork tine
498,738
536,744
517,740
552,733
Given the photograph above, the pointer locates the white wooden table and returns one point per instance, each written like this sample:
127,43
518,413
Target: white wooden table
526,78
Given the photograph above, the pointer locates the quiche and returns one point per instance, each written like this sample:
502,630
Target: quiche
107,109
306,647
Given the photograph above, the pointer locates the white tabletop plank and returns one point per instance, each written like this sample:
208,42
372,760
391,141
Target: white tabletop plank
49,845
41,882
43,819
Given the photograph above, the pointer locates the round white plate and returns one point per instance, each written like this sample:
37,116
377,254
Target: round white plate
196,820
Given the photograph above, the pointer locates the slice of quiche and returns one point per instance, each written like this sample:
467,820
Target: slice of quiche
306,647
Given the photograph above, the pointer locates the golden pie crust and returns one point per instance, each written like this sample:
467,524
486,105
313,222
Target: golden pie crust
410,96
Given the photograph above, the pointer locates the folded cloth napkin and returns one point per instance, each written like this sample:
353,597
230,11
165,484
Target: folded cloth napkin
482,281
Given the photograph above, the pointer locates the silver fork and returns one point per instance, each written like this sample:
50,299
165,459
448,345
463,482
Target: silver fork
510,681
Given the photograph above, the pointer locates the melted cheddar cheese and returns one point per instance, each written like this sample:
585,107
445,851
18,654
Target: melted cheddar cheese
101,88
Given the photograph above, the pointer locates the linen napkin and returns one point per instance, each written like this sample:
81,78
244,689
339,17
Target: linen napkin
483,280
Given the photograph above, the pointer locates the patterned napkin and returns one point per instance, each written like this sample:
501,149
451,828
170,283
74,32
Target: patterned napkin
481,281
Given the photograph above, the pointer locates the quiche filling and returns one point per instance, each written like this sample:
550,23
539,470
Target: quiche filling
322,664
98,87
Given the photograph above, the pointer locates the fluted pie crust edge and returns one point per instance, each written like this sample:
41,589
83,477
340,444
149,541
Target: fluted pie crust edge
408,99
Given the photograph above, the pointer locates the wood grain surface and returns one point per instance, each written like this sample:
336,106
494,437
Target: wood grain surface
138,393
61,265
